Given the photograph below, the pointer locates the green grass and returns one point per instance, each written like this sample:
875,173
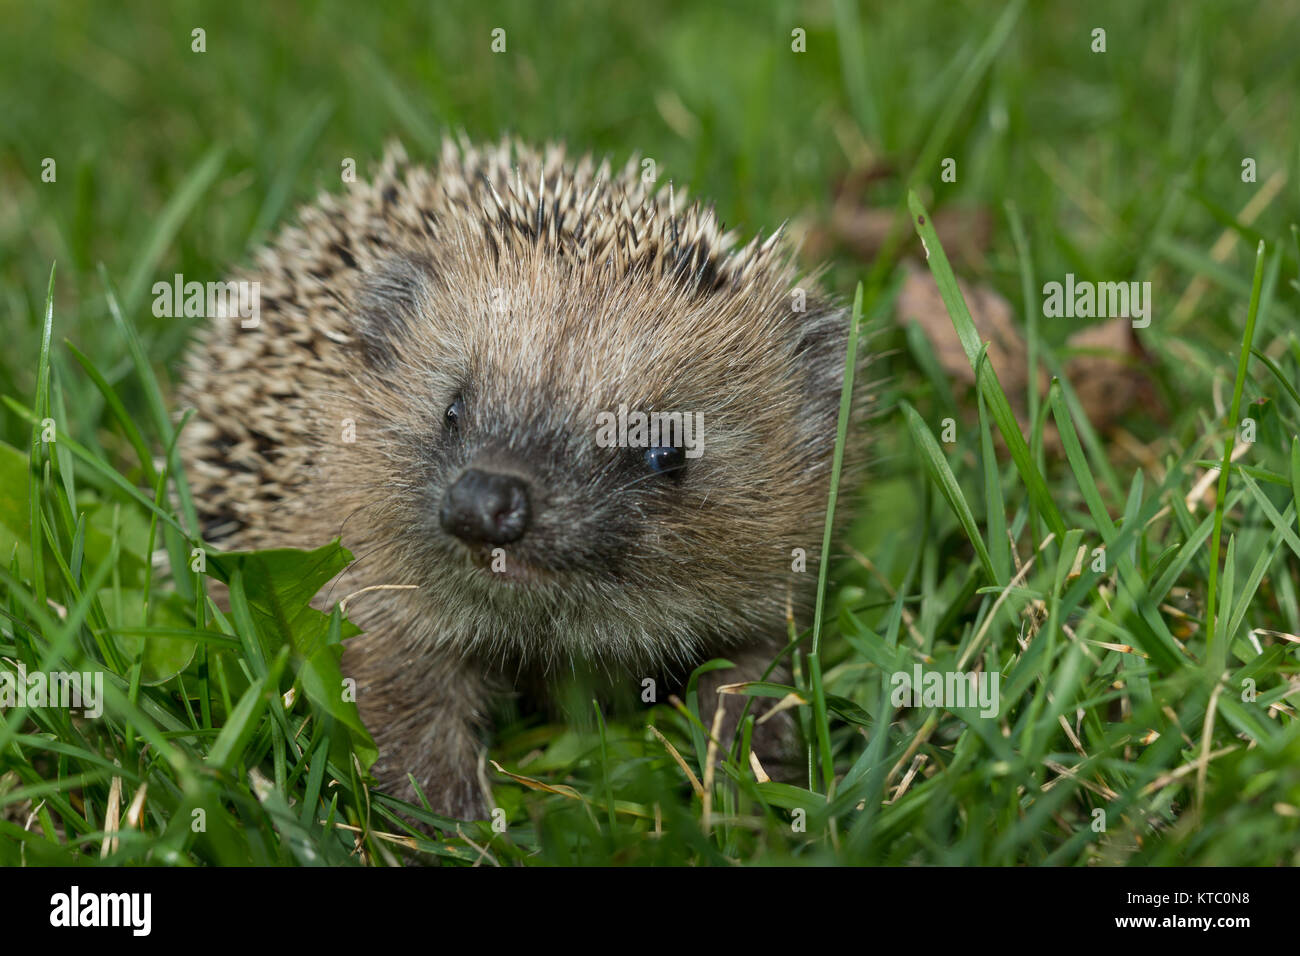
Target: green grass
1158,688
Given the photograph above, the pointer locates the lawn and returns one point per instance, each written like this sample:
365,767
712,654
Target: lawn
1051,509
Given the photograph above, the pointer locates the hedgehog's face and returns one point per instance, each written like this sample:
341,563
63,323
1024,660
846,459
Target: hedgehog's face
530,495
610,468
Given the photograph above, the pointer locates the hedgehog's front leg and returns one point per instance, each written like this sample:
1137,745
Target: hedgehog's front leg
427,710
775,741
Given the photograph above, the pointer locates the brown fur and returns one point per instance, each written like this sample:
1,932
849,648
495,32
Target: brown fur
542,291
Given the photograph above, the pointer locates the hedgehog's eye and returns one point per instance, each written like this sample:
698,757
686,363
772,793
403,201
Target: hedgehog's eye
666,460
451,418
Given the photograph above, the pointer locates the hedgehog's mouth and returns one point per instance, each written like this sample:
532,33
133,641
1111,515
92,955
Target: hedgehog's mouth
505,568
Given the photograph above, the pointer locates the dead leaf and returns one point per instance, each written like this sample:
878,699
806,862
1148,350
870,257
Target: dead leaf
920,302
533,784
964,231
1103,374
1105,370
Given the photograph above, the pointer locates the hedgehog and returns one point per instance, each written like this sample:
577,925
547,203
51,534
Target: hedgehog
436,351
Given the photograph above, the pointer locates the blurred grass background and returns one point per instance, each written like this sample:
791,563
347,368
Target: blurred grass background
1099,151
1122,165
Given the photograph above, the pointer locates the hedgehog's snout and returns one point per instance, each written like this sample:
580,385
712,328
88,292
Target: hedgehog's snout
484,507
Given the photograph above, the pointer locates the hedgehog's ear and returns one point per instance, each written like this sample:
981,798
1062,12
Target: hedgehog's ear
388,301
821,335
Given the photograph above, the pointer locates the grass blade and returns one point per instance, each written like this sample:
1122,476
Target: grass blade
1216,651
986,377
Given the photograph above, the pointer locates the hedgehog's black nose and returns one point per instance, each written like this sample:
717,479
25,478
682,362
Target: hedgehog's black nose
486,508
